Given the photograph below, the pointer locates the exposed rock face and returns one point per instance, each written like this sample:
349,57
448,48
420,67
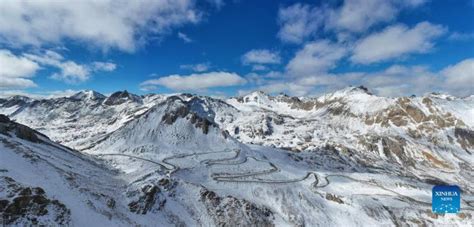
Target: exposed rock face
393,148
171,116
230,211
185,110
4,119
22,205
334,198
404,113
149,196
120,97
201,123
21,131
465,137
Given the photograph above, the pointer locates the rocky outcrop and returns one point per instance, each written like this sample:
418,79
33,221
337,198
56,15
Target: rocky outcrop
171,116
121,97
230,211
465,137
149,195
27,206
334,198
21,131
184,110
393,148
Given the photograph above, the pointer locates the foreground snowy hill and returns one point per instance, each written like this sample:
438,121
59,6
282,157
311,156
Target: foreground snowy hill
349,157
44,183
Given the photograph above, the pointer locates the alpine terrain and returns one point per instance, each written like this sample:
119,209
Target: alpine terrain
347,158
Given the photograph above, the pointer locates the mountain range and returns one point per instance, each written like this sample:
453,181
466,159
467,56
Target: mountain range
346,158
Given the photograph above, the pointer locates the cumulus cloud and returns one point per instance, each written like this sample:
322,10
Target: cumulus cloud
400,80
360,15
120,24
459,78
300,21
200,67
69,71
16,71
396,41
315,58
261,56
195,81
103,66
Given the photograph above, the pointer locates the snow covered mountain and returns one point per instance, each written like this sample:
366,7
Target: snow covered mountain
44,183
345,158
81,119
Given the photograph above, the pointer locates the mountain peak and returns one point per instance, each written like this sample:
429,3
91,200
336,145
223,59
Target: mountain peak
20,97
120,97
439,95
17,100
349,91
357,90
88,94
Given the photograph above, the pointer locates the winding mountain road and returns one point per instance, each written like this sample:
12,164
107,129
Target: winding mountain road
253,177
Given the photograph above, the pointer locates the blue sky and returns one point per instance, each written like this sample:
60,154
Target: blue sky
226,48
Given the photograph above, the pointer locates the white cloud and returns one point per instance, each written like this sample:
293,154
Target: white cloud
16,71
69,71
264,78
120,24
315,58
298,22
460,77
396,41
400,80
201,67
104,66
184,37
261,56
360,15
291,88
457,36
195,81
259,68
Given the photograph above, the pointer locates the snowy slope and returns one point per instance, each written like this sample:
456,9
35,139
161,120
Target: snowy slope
44,183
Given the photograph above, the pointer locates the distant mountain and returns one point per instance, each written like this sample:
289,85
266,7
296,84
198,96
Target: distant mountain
344,158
